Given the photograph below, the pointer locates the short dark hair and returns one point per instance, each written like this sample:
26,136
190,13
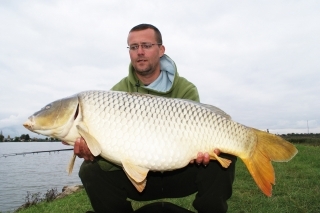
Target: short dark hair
148,26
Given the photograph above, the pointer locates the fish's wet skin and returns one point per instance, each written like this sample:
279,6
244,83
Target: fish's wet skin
145,133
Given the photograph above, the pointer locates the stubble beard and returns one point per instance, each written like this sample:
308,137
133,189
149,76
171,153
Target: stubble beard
146,71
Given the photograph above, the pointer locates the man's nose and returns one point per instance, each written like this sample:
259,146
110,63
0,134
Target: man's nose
140,50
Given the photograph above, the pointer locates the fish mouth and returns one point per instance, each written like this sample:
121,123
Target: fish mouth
29,124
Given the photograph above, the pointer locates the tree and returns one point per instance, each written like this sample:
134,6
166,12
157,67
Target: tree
1,136
27,137
23,137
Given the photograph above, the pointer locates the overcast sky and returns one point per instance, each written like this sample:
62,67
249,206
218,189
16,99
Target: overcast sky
256,60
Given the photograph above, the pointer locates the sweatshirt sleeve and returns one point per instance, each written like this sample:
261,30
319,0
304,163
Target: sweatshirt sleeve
187,90
192,94
121,85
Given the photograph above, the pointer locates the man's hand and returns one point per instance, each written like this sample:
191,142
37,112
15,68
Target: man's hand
204,158
81,149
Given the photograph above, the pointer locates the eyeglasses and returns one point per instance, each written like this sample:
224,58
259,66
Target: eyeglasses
144,46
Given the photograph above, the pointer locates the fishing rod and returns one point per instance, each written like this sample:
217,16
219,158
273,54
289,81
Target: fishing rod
35,152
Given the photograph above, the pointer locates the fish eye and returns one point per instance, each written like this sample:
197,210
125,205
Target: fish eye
47,107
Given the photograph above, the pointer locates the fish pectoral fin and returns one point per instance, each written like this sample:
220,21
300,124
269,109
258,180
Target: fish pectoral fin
136,174
92,143
71,164
223,161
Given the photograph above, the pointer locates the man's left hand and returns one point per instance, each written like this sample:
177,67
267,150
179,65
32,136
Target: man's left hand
204,158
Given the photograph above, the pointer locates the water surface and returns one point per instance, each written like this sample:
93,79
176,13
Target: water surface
33,172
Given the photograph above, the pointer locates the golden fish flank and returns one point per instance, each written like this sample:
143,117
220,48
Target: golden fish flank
144,132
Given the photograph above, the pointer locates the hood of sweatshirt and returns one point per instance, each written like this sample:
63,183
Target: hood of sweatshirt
164,83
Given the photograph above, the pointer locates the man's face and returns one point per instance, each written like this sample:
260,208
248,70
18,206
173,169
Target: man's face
145,61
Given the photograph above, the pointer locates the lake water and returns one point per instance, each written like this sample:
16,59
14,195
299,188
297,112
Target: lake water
33,172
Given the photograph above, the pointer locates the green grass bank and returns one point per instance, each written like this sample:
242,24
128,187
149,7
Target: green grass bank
297,189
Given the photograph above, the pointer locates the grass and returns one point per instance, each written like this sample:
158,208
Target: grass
297,190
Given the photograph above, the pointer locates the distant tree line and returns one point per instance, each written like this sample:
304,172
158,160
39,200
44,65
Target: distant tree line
25,138
303,138
303,134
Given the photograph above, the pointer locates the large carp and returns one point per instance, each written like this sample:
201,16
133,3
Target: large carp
144,132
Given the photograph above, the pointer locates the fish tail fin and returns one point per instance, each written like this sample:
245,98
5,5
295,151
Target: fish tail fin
269,148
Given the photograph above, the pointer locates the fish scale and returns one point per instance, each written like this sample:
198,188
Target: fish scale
143,132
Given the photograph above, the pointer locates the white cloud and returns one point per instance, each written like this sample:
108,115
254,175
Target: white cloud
258,61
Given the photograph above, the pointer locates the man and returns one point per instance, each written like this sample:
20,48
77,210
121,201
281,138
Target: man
107,186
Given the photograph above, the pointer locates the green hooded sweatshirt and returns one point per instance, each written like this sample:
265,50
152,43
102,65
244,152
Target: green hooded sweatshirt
168,84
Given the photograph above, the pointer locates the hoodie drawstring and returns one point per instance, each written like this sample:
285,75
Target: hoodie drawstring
138,85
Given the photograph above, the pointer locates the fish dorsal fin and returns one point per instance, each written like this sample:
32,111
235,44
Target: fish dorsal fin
217,111
92,143
71,164
136,174
214,109
211,108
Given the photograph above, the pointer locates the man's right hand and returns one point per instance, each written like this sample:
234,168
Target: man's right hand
81,149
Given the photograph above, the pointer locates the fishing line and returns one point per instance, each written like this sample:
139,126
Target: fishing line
35,152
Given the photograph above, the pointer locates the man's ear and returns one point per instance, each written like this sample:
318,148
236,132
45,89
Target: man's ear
162,50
